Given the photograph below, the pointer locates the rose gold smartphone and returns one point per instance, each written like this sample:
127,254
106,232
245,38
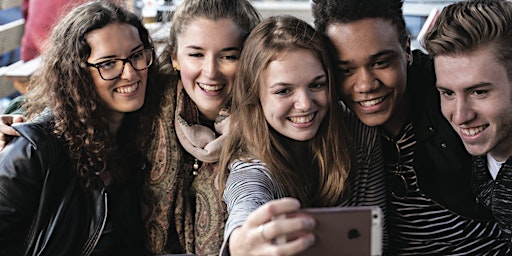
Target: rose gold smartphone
347,231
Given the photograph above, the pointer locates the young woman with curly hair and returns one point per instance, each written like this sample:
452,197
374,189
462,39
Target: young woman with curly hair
69,184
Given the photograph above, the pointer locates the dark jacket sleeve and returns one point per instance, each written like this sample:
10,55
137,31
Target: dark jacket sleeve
24,165
21,178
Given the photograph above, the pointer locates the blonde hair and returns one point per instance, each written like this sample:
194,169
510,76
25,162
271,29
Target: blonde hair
251,136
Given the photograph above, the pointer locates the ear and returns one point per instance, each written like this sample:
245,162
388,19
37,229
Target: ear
408,51
174,59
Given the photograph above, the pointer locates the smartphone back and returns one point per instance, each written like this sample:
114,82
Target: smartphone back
347,231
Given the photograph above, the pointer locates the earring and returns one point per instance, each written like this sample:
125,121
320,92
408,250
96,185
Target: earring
409,60
175,67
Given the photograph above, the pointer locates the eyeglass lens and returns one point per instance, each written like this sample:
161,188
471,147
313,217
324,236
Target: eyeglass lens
114,68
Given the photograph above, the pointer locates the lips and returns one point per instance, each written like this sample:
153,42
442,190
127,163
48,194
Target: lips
302,119
473,131
373,102
210,87
127,89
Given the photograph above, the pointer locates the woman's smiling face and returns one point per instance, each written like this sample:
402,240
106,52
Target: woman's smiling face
207,56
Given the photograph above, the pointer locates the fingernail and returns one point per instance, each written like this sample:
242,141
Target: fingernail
309,240
309,223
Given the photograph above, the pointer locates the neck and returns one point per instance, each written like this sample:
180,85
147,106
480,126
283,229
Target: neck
398,118
298,150
115,121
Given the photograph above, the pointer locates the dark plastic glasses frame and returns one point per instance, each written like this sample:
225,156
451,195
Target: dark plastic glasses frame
125,60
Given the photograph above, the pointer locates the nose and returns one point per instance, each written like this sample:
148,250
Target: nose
462,112
366,81
128,71
210,67
303,101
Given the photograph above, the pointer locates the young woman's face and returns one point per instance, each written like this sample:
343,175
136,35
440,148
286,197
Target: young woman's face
207,57
125,93
294,94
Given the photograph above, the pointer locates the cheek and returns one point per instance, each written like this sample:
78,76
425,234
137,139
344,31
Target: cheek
446,108
229,71
344,88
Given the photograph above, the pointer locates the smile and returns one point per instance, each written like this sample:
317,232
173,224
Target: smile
208,87
127,89
370,103
473,131
302,119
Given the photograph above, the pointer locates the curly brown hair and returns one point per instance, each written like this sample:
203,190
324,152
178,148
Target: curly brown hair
63,86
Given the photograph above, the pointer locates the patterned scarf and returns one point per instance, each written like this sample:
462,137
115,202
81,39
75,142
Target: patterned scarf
199,140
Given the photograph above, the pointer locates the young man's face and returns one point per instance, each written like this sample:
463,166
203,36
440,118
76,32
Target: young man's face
476,98
373,66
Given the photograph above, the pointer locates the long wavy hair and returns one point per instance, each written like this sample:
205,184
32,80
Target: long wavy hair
66,88
251,136
241,12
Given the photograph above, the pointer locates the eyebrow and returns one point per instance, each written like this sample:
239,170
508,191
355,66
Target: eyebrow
372,57
319,77
113,56
470,88
227,49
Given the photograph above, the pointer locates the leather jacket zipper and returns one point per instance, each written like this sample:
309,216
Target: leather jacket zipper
93,240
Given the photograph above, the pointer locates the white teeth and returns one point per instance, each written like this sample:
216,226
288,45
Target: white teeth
127,89
210,87
473,131
370,103
302,119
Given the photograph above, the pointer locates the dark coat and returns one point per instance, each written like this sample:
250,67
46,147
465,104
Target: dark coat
441,162
44,209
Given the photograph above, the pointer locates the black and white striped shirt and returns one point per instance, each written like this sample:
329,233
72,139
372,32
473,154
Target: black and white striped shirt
420,226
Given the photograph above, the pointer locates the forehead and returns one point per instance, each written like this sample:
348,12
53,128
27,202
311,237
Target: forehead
114,39
294,67
465,70
206,31
364,37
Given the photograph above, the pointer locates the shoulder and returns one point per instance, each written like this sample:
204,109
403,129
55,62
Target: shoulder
37,135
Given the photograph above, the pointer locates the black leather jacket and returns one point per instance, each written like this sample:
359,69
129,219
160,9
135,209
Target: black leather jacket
44,209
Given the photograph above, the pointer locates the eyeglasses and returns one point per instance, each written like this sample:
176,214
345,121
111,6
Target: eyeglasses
113,68
396,180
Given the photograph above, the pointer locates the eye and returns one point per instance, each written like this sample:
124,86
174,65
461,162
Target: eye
318,86
480,93
381,63
137,55
282,91
108,64
230,57
446,93
346,71
196,55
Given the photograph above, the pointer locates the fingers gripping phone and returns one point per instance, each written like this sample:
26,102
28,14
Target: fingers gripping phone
347,231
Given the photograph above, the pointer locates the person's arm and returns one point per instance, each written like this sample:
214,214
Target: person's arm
12,114
21,177
252,226
6,131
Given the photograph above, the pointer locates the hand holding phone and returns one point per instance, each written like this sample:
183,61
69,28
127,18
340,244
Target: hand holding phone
346,231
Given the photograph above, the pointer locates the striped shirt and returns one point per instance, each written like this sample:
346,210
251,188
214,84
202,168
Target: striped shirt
249,184
417,224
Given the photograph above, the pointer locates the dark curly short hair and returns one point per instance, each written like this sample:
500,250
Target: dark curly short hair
327,12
